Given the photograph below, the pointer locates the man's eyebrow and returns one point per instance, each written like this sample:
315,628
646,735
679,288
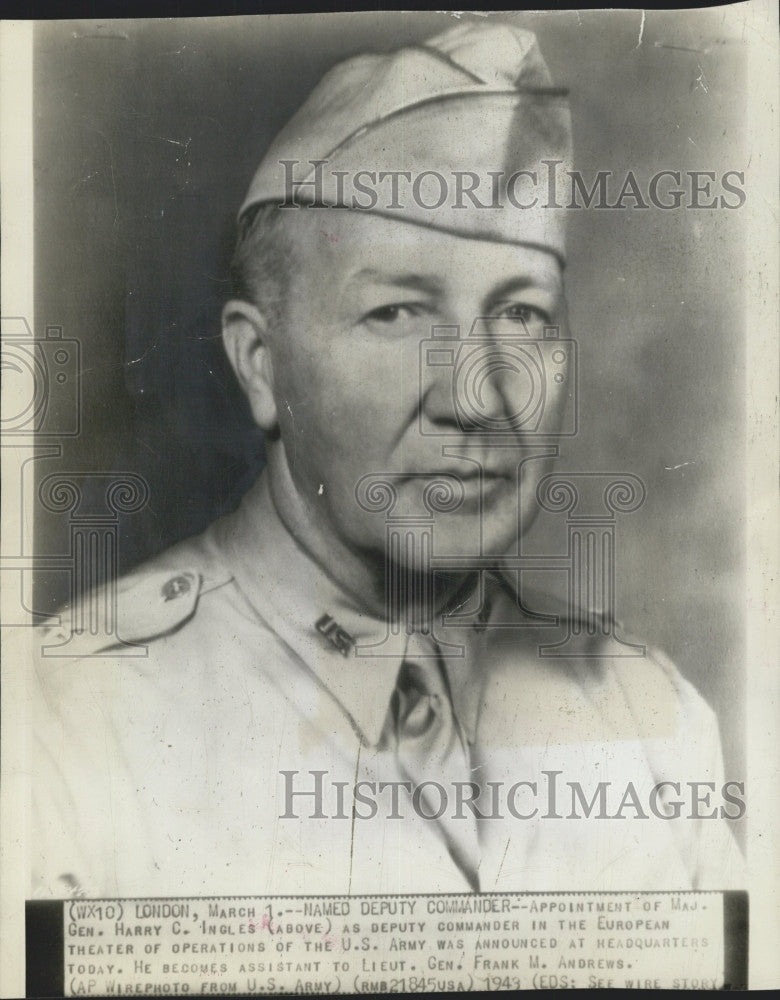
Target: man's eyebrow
522,282
411,279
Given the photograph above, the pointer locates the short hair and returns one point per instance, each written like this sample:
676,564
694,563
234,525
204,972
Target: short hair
263,259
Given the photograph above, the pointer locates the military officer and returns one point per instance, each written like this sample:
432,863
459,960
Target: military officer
312,709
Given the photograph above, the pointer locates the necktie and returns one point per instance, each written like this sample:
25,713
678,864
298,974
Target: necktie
431,747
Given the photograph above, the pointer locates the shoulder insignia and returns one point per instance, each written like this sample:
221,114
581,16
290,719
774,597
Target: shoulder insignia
143,606
156,601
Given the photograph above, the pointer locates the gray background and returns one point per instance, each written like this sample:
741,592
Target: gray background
147,133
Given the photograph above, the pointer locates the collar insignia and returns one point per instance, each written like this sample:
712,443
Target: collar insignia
335,634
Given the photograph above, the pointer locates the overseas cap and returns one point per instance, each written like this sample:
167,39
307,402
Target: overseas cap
464,134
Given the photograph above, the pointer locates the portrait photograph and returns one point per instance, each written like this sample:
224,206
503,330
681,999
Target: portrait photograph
389,447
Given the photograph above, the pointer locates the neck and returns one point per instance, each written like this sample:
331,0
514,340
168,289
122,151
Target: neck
386,591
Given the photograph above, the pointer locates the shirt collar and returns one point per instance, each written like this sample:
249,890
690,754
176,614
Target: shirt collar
323,625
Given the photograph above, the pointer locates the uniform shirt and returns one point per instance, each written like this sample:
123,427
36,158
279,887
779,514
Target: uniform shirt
162,773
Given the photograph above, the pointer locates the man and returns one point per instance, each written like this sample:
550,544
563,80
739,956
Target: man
343,691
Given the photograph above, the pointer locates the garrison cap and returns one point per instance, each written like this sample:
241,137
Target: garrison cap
465,134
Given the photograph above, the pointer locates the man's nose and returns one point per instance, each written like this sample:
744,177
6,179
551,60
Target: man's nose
477,379
482,386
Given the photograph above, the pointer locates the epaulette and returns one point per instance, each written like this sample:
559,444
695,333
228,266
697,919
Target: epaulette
144,605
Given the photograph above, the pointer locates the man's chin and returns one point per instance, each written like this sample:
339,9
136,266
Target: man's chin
465,536
448,531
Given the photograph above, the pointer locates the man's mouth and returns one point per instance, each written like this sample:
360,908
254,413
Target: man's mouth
473,473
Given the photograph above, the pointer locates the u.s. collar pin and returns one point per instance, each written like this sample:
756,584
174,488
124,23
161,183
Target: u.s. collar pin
335,634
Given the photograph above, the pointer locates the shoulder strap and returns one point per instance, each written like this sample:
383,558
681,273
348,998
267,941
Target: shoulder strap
149,602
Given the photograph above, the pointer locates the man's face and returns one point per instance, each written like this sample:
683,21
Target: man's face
357,396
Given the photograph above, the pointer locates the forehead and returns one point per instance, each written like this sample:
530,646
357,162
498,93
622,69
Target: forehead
338,245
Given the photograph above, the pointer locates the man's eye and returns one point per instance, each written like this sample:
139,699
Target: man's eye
391,313
522,312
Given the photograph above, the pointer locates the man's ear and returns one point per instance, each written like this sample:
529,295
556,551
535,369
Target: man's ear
245,335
